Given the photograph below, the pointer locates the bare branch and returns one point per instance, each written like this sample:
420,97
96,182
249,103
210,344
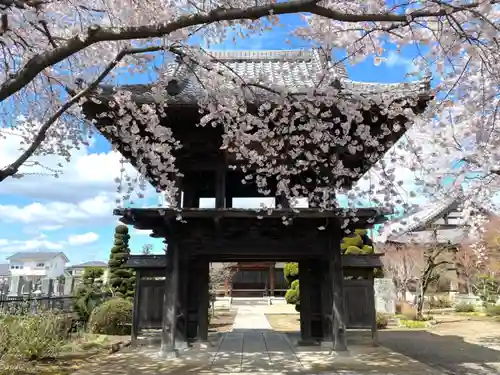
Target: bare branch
13,168
96,34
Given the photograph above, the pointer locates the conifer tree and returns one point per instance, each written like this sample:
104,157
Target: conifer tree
121,278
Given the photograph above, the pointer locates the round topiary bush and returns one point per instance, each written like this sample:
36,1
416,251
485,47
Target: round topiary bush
113,317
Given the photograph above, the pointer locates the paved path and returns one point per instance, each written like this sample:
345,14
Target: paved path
449,353
250,318
253,348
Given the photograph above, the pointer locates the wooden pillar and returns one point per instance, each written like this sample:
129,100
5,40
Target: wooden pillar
170,302
373,310
338,302
203,299
326,302
182,300
305,302
220,187
191,196
281,201
272,278
136,307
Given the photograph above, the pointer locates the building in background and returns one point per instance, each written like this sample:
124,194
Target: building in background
30,268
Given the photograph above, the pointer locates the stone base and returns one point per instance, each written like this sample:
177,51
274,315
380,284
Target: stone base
309,342
168,354
180,345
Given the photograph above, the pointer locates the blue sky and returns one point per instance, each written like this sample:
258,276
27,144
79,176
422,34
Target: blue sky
73,213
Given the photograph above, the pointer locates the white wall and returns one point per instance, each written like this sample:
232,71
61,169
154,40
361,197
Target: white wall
51,269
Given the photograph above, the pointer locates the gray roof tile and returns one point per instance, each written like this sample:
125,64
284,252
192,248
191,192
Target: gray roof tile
41,255
90,264
296,70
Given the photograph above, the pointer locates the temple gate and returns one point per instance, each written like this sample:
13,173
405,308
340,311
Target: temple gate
223,234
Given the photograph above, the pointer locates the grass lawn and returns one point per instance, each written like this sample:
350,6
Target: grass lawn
284,322
222,321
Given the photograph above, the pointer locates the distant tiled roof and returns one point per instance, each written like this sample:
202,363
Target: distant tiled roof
146,261
296,70
4,269
89,264
414,227
41,255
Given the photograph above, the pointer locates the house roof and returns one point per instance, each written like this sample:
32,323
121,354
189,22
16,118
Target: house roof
89,264
4,269
296,70
37,255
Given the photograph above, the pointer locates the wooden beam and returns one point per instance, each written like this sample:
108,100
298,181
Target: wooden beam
136,308
220,187
338,303
169,329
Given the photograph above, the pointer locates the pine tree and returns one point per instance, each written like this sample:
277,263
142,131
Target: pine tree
121,278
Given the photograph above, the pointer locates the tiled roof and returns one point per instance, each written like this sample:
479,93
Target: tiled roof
89,264
453,236
296,70
41,255
411,228
146,261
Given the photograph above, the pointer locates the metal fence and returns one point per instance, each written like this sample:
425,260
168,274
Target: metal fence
32,305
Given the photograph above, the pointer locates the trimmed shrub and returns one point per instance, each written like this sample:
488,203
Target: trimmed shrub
382,321
492,310
292,295
113,317
121,278
291,272
465,308
440,303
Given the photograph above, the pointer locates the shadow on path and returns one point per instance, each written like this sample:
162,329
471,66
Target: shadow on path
449,353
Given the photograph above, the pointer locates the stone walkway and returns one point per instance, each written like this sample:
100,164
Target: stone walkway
253,348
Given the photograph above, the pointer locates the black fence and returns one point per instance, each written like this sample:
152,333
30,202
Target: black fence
32,305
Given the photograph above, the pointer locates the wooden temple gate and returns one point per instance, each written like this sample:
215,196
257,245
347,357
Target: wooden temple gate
207,169
316,318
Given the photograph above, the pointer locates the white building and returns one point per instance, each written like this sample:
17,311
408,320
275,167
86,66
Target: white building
34,267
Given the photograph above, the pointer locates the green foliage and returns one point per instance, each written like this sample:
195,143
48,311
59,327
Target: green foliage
31,337
113,317
378,273
440,303
488,289
416,324
291,272
89,294
382,321
492,310
357,243
292,295
465,307
121,278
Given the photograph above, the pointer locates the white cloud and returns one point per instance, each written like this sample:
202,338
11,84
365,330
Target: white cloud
140,232
83,239
54,215
41,242
37,243
85,177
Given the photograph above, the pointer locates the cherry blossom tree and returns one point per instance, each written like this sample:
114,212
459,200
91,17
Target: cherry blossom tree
56,54
402,265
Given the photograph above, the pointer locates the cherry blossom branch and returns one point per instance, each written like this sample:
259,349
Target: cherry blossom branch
96,34
13,168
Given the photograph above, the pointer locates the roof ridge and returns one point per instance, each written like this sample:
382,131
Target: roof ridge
251,55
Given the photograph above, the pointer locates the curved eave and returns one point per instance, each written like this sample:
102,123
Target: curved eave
189,96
